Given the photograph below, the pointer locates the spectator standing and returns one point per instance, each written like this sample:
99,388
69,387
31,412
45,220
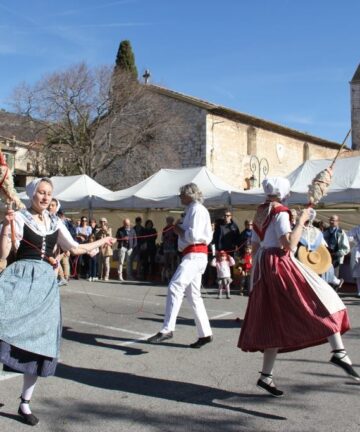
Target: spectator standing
148,249
227,235
83,233
135,256
54,208
65,260
126,243
337,243
354,237
106,251
169,248
93,258
222,262
245,237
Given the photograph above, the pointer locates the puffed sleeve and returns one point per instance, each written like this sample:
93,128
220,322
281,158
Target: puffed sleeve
282,225
65,240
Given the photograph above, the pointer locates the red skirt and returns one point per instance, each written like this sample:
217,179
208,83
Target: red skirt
283,310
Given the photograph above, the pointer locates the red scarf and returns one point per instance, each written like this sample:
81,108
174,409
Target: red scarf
264,215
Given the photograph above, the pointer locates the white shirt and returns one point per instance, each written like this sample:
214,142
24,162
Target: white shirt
196,226
64,240
279,226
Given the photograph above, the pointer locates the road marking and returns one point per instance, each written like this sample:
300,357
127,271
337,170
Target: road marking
221,315
131,299
119,329
7,375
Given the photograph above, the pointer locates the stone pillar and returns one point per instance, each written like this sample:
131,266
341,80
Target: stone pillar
355,109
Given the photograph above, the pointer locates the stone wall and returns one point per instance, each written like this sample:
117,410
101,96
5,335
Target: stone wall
230,145
189,142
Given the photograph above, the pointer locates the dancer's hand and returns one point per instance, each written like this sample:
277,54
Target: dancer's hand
9,216
109,241
305,215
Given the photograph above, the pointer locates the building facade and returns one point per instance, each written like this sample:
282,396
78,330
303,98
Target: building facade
239,148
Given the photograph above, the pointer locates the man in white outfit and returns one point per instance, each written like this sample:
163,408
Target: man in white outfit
195,233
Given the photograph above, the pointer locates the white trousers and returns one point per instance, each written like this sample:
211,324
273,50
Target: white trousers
187,280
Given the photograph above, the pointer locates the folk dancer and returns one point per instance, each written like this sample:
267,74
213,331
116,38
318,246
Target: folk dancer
290,307
30,317
195,234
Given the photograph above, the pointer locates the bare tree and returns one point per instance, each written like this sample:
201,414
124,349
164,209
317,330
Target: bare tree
99,121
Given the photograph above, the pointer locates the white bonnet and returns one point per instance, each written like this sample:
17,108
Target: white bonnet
31,188
276,186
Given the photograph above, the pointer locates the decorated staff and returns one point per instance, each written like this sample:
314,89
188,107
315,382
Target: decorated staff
320,184
7,191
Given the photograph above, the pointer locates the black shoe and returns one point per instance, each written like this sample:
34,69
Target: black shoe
160,337
270,389
29,419
346,367
201,341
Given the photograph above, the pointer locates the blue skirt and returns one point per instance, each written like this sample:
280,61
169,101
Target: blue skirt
30,318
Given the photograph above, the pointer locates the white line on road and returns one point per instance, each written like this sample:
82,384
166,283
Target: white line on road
119,329
7,375
70,290
221,315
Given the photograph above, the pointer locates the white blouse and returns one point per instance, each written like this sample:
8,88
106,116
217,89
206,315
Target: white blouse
196,226
279,226
64,240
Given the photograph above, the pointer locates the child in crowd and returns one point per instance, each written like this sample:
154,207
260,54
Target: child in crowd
93,261
223,262
245,265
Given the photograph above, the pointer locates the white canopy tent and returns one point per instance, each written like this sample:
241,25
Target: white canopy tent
161,190
74,192
344,188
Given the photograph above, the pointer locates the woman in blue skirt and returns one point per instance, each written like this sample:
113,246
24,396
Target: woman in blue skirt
30,316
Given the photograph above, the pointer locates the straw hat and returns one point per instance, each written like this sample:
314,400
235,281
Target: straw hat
318,260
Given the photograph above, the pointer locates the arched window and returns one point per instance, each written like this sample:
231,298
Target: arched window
306,152
251,141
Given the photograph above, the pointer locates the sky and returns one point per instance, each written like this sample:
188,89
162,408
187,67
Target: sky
286,61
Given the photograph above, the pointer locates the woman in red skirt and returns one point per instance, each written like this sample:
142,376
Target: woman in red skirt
290,307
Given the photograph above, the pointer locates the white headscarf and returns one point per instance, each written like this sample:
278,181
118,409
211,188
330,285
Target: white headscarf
277,186
31,188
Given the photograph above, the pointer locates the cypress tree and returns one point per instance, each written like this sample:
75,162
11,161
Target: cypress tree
125,59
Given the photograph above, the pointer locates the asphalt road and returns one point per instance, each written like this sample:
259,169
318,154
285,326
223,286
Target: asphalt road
110,379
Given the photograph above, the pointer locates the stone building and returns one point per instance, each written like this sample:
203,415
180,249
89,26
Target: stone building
20,141
226,141
355,109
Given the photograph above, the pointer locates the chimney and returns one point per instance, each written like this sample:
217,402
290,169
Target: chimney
355,109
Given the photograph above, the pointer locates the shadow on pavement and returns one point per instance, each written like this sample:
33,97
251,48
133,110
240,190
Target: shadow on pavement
163,389
215,323
91,339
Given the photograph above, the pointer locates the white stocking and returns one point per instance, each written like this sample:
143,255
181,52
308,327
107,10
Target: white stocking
27,391
337,344
268,364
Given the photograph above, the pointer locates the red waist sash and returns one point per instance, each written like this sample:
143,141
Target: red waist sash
195,248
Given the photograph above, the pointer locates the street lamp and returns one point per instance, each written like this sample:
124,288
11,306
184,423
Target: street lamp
259,167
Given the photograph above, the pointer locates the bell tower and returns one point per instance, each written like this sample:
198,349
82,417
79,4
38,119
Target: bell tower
355,109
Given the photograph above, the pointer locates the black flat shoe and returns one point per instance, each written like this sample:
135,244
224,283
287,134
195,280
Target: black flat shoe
29,419
346,367
201,342
160,337
270,389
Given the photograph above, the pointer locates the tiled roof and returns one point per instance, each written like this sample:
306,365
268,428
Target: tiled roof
356,76
242,117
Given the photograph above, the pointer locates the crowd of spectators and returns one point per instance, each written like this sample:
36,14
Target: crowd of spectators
142,253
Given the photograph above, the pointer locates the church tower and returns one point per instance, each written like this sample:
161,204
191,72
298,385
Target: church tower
355,109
